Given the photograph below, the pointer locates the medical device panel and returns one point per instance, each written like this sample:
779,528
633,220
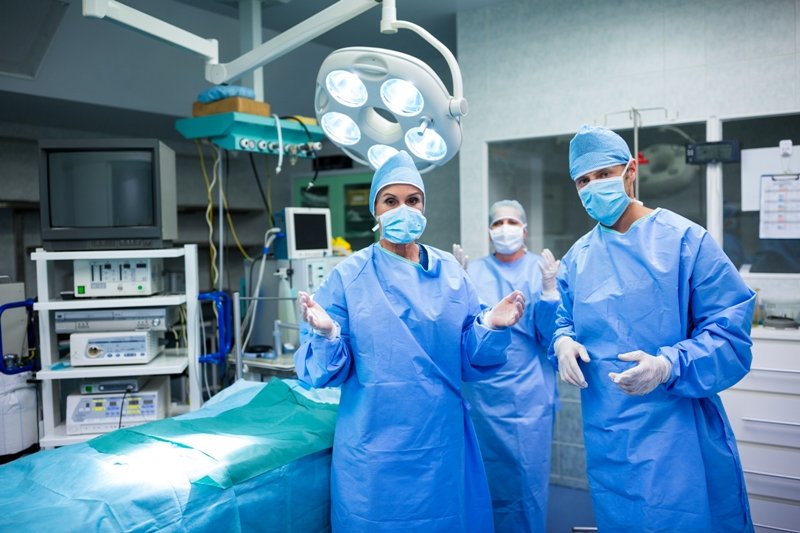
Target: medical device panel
100,413
113,348
117,277
125,319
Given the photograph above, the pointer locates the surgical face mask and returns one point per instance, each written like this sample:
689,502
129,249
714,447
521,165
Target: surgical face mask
507,239
605,199
402,225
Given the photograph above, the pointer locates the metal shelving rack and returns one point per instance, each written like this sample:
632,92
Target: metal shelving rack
54,370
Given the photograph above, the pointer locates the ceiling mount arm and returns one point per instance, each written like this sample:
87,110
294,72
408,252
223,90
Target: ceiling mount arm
285,42
217,73
390,24
113,10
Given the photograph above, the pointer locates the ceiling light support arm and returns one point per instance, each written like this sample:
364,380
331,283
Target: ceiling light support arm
117,12
285,42
390,24
216,72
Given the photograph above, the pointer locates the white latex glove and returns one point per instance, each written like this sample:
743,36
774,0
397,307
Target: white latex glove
549,267
507,312
458,253
567,351
316,316
651,372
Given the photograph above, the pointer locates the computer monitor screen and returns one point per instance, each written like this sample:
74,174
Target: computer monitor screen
311,231
307,231
101,189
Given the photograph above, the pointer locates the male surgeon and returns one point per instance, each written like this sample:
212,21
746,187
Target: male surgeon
654,323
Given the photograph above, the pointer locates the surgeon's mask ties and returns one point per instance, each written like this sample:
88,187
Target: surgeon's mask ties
402,225
507,238
605,199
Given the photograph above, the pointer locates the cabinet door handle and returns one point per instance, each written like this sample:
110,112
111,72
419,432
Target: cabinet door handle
768,474
776,422
779,370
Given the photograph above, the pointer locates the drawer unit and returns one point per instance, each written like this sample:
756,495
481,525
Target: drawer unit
764,411
774,516
763,417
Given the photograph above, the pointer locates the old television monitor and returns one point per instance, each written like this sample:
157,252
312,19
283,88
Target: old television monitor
306,233
105,194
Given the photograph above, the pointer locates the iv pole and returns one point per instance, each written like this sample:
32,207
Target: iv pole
636,116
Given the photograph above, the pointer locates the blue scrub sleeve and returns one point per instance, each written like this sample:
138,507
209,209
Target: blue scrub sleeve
544,320
323,362
483,349
717,353
564,325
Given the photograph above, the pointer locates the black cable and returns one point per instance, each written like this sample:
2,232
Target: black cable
122,407
260,188
313,152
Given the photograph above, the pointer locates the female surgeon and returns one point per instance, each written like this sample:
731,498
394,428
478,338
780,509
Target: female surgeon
399,326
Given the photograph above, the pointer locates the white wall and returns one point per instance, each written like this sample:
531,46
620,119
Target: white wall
536,68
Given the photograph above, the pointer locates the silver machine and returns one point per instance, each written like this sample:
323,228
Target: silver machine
276,332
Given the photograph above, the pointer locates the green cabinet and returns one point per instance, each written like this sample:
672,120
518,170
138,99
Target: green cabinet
347,196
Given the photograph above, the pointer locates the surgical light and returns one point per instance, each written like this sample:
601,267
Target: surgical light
346,88
340,128
402,97
426,143
407,107
378,154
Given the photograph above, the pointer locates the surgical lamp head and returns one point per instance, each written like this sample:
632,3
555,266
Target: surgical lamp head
373,103
399,168
593,148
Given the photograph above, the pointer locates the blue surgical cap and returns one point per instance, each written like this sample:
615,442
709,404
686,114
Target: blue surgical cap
399,168
502,208
595,148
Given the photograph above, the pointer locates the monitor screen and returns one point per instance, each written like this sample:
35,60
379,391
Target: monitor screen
306,233
105,194
101,189
310,231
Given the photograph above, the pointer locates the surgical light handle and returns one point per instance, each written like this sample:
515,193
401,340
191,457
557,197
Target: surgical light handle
216,72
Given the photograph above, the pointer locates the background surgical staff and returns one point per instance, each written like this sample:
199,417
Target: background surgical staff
399,326
513,410
654,322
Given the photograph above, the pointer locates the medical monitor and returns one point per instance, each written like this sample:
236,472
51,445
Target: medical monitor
105,194
307,232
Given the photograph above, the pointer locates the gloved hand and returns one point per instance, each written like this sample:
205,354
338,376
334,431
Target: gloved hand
567,352
651,372
507,312
458,253
317,317
549,267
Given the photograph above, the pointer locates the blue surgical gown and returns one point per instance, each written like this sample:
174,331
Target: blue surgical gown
665,461
405,455
513,410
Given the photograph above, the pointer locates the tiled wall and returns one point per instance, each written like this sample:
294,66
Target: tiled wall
535,68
